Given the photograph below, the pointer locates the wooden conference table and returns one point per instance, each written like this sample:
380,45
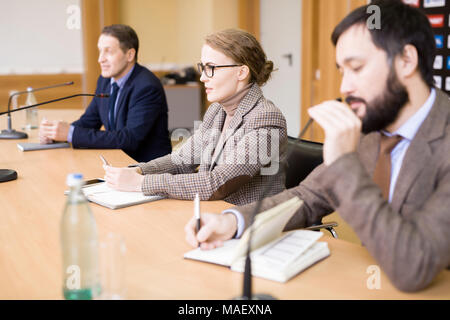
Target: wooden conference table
30,256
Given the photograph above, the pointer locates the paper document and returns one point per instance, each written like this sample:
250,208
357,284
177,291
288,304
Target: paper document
103,195
285,257
275,256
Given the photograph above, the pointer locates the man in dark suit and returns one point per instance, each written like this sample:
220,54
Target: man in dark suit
134,115
392,184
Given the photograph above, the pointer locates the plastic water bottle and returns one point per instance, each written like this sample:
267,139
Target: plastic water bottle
80,249
32,121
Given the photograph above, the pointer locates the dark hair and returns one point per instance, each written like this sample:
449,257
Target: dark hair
244,49
401,25
127,37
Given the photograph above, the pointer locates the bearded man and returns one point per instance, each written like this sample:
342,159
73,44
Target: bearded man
386,163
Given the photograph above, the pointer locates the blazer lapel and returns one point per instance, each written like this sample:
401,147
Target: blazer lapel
415,159
104,111
216,131
120,103
125,91
368,150
419,151
247,103
221,141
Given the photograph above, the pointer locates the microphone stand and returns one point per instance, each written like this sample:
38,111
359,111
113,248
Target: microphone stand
11,133
100,95
9,175
247,287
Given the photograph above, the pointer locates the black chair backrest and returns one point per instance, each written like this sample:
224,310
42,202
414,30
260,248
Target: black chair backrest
304,156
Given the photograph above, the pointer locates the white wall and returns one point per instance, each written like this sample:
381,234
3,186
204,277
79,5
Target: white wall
281,35
35,37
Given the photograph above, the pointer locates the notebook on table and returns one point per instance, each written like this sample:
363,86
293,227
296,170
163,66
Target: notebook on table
103,195
275,256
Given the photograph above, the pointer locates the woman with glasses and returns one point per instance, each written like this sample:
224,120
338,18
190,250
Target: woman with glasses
238,146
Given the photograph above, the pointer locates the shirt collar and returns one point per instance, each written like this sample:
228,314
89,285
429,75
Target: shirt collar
409,129
120,82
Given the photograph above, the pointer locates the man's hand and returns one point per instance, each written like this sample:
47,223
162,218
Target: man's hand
215,228
342,129
124,179
43,139
53,130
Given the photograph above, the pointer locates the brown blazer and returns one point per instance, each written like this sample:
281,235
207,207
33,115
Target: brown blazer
228,168
410,237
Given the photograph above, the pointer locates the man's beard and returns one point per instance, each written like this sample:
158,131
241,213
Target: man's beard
383,110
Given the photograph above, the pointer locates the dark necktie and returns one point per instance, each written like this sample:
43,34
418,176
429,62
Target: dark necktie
382,173
112,103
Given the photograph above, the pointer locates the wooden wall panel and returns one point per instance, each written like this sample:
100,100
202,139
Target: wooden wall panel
90,10
109,11
95,15
320,77
309,60
249,17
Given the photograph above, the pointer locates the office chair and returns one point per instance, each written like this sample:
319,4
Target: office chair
304,156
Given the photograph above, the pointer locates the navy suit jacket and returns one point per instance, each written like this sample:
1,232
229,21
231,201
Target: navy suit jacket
141,119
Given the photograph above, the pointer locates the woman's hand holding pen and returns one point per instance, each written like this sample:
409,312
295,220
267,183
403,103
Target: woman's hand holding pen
123,179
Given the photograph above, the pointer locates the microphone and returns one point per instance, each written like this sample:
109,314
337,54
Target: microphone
9,175
247,286
99,95
13,134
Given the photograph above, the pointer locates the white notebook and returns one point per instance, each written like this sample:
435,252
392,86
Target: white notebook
101,194
274,256
282,259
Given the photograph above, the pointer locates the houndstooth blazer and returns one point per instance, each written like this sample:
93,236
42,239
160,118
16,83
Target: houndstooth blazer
235,167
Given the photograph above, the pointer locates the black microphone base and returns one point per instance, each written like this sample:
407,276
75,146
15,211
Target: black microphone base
7,175
12,134
258,296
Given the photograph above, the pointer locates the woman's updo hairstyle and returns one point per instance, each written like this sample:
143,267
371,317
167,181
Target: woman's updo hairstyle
244,49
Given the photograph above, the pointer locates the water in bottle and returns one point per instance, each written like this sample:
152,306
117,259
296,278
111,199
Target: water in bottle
80,249
32,121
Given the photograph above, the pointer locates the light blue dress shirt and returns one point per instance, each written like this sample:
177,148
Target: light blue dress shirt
120,82
408,131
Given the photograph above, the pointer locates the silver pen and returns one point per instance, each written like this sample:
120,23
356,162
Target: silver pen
104,161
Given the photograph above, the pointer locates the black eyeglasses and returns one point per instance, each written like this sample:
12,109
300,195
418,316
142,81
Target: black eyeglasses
209,68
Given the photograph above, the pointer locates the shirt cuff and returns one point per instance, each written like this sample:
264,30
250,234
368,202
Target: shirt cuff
70,134
240,222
